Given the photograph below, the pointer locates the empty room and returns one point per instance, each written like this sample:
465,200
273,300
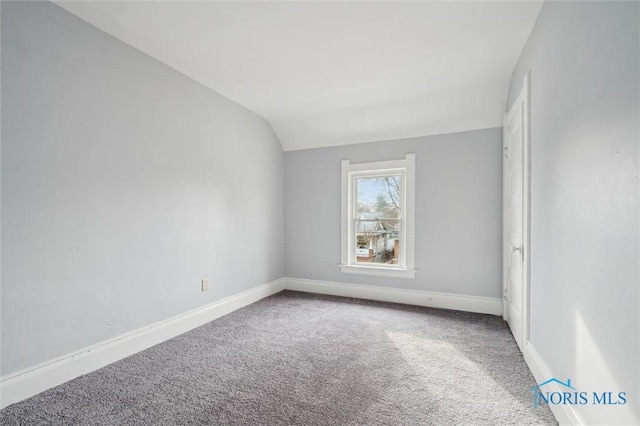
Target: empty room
320,212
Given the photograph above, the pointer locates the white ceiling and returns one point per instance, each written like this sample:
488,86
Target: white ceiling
335,73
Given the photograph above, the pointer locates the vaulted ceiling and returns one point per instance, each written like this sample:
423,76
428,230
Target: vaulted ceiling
334,73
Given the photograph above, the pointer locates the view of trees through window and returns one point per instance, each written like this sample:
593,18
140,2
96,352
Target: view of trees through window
378,219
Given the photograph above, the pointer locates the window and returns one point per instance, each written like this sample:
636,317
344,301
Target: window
378,218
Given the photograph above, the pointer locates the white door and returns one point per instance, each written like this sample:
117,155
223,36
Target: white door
514,191
515,239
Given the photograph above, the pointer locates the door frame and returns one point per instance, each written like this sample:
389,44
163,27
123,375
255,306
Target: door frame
523,99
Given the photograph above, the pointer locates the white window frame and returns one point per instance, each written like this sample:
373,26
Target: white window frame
405,266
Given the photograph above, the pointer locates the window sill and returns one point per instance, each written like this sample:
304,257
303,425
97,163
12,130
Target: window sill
378,271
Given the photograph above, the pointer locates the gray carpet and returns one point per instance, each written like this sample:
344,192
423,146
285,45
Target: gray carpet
303,359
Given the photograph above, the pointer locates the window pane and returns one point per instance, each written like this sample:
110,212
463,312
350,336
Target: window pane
378,241
377,221
378,197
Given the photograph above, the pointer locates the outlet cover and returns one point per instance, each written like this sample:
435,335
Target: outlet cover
205,284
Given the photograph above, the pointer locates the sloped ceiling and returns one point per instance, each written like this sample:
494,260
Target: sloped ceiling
334,73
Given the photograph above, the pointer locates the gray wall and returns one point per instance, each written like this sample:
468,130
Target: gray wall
458,211
123,184
583,58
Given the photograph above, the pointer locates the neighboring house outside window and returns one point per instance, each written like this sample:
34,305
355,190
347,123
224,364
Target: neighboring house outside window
378,218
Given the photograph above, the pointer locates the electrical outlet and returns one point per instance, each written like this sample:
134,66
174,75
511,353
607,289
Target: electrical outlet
205,284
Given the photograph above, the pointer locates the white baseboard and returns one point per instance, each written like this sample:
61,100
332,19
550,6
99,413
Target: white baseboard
26,383
483,305
29,382
565,414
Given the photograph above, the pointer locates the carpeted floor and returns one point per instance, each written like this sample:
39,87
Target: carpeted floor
303,359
